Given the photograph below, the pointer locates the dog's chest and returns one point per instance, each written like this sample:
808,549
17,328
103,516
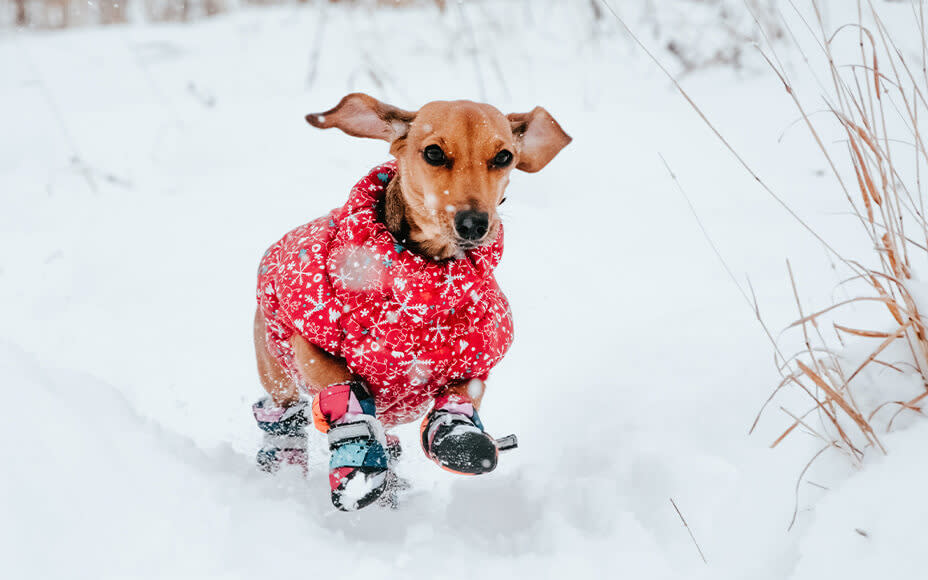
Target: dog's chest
395,318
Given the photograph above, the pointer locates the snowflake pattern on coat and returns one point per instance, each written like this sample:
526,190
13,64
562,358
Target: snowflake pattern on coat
408,325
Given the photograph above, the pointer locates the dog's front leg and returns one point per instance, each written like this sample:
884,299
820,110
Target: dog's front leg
452,433
471,390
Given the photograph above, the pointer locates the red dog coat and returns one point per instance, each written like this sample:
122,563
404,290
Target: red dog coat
406,324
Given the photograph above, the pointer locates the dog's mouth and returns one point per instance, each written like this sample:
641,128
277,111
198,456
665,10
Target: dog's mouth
468,245
464,244
441,242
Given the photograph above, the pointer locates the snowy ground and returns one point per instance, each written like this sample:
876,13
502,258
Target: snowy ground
126,284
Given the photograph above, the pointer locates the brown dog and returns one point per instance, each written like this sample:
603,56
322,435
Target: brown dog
454,159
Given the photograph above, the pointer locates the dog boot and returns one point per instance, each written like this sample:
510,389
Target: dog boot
453,437
284,434
358,469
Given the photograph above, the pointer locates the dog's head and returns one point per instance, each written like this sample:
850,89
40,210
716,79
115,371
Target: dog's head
454,160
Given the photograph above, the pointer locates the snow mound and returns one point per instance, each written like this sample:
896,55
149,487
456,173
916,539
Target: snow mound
98,491
873,524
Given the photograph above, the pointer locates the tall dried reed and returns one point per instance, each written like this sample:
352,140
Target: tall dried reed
877,101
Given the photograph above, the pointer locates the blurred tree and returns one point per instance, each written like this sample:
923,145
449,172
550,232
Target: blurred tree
214,7
113,11
167,10
20,12
57,13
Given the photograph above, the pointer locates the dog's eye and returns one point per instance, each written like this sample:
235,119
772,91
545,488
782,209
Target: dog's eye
502,159
434,155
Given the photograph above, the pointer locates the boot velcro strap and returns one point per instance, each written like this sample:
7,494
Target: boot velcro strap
280,420
341,433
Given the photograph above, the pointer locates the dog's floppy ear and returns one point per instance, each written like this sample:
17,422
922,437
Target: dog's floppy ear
360,115
539,138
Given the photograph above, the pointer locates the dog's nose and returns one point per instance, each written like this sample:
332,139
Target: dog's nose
472,225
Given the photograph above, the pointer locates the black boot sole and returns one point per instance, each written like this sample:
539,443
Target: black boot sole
469,453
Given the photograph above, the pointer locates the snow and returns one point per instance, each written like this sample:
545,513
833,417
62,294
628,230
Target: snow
359,487
146,168
857,533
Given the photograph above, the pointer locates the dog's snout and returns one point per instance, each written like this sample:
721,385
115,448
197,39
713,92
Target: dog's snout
472,225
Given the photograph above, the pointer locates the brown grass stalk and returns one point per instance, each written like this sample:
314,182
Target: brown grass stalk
888,205
868,100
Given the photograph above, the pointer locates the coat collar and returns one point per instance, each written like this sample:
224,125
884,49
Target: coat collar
393,268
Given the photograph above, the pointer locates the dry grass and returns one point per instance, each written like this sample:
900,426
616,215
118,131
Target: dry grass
871,100
877,102
889,204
